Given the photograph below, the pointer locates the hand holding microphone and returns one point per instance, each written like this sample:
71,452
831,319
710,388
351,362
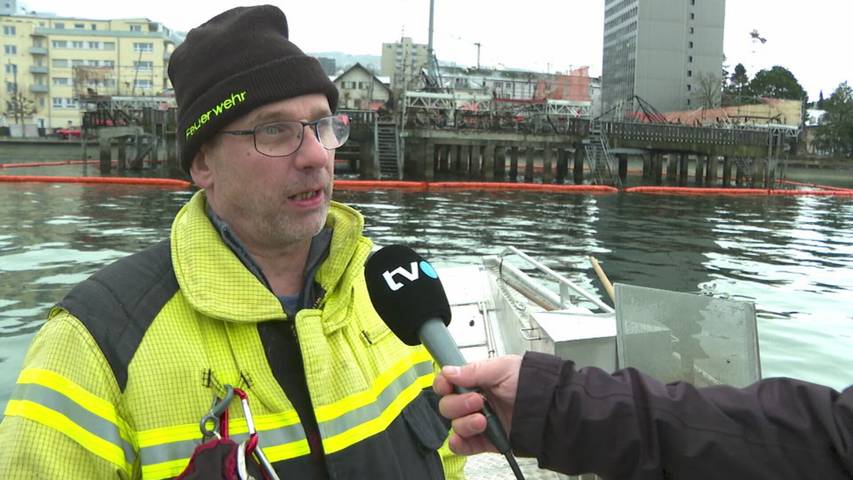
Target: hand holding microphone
406,292
498,379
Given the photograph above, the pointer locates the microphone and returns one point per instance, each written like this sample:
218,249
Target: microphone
406,292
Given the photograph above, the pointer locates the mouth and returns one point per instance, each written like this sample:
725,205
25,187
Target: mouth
301,197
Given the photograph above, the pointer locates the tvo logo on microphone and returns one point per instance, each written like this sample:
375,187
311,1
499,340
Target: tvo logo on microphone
412,274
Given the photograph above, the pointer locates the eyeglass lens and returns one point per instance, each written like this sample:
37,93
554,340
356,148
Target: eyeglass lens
284,138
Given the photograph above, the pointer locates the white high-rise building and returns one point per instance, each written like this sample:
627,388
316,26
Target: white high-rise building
403,61
668,52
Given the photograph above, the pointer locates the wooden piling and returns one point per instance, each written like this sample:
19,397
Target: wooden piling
682,168
429,160
529,153
657,163
489,161
623,168
105,150
562,165
727,171
547,164
671,167
500,162
513,163
122,153
699,171
578,164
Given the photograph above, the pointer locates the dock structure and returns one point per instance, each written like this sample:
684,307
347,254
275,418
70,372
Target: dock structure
132,130
435,136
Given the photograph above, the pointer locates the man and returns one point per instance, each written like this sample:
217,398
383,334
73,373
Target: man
260,286
628,425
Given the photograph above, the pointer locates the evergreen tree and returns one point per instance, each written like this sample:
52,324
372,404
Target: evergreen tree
835,133
778,82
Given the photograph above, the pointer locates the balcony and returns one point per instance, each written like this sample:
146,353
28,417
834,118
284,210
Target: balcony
39,32
38,50
38,69
38,88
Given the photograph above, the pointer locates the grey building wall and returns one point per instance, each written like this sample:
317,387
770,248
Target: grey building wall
662,51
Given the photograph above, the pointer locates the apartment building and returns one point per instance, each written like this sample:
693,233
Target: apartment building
403,62
668,52
51,65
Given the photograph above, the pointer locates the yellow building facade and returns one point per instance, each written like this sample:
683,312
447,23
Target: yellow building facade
52,65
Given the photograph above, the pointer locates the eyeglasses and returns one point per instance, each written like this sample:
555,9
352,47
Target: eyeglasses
280,139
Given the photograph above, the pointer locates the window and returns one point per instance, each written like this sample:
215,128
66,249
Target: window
76,62
689,87
688,102
692,2
8,30
143,47
92,63
11,68
80,26
690,59
142,83
95,45
10,49
61,81
94,26
691,30
109,45
144,65
41,102
77,44
11,87
59,44
690,44
57,102
59,63
59,25
136,28
361,86
108,63
692,16
690,73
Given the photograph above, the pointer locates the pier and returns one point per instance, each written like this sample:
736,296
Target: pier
132,130
434,138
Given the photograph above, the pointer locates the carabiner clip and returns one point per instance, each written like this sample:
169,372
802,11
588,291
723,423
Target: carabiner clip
213,417
253,445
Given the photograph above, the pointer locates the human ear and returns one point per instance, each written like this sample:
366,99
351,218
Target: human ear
200,169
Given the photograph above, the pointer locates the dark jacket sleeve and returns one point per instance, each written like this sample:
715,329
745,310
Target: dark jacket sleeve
630,426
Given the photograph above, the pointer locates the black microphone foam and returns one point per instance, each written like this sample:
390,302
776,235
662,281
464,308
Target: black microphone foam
405,291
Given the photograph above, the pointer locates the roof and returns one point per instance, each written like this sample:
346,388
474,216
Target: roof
361,67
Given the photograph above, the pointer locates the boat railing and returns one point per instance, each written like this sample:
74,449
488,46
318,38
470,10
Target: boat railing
566,285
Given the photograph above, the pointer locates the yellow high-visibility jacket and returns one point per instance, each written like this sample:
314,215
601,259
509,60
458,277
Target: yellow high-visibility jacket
116,381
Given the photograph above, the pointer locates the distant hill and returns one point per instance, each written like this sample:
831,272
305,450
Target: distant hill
345,60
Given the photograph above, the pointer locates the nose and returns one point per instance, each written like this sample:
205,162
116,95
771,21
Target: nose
311,153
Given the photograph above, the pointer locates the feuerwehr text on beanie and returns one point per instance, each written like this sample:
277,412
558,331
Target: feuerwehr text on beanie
237,61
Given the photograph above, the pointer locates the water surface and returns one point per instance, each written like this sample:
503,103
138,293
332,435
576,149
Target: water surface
792,256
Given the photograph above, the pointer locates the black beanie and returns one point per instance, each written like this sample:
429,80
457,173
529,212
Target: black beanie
235,62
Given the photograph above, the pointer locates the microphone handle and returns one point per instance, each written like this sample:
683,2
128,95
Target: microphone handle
440,344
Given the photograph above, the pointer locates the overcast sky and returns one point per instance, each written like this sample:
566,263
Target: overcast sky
810,38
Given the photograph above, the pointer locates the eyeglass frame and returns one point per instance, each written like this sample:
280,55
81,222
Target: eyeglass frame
304,124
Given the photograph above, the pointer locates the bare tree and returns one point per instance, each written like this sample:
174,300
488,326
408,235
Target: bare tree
707,91
19,107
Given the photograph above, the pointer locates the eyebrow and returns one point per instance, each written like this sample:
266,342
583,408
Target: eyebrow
276,116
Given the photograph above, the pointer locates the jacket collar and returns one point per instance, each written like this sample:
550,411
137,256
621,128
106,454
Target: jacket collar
217,283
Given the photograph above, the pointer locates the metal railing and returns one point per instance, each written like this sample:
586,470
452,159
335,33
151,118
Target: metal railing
564,283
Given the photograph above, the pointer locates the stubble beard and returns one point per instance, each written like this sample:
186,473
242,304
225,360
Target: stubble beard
279,228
